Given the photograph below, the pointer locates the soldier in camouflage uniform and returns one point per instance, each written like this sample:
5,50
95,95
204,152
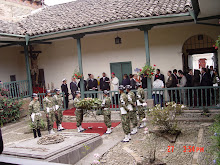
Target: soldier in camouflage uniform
125,119
132,108
48,103
78,112
106,111
34,112
140,101
58,101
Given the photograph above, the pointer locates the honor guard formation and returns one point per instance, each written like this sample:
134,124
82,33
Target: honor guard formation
131,106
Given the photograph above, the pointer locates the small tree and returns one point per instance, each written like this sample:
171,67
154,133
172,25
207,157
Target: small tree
165,117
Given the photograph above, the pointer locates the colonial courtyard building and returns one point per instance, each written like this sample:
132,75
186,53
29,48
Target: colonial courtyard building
84,34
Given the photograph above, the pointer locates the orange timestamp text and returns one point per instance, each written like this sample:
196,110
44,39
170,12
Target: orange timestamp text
187,149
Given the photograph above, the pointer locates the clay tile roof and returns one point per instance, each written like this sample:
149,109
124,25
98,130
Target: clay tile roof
83,13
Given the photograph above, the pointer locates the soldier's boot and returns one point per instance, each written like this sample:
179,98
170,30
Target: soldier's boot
35,133
129,136
134,131
109,130
58,126
142,125
81,128
51,131
126,139
78,129
61,127
38,133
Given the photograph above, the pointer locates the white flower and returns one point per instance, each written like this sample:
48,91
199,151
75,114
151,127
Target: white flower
146,129
146,132
96,162
96,155
144,119
157,119
183,106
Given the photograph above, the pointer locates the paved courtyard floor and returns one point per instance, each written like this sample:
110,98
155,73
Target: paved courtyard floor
114,152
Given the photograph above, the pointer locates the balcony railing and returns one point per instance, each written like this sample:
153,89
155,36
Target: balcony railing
17,89
192,97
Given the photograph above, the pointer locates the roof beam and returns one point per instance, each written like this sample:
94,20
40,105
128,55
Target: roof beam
11,44
196,9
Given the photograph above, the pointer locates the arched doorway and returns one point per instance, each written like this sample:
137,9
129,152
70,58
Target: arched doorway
198,51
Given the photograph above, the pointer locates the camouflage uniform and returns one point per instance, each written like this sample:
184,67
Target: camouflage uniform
78,112
58,101
48,103
106,112
132,113
125,119
140,101
34,112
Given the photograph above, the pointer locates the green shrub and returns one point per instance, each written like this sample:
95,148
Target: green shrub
165,117
215,148
9,108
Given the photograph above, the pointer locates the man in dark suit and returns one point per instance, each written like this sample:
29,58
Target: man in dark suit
144,82
159,75
205,81
65,91
104,82
133,83
85,86
92,85
73,87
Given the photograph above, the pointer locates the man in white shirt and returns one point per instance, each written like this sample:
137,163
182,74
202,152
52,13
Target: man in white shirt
158,95
114,87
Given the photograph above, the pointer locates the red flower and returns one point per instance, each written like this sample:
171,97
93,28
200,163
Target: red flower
74,78
75,74
213,45
154,65
216,47
152,73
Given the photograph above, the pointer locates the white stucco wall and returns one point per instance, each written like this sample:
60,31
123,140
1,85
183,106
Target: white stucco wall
12,62
60,58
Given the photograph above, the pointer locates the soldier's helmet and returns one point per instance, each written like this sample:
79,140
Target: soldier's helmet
121,87
48,92
128,87
78,92
34,95
105,92
57,90
64,80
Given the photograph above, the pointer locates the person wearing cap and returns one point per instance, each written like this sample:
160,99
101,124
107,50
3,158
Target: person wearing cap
35,115
104,82
125,118
140,101
48,104
78,112
64,88
132,108
114,87
106,111
58,101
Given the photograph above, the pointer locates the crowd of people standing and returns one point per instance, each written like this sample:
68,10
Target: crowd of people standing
205,77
